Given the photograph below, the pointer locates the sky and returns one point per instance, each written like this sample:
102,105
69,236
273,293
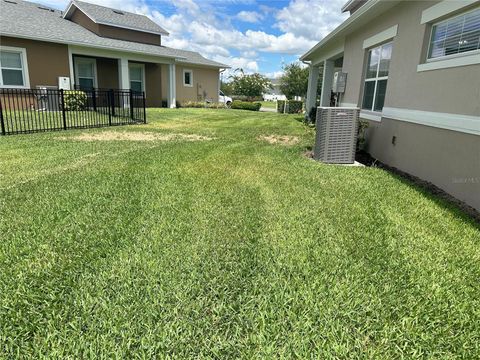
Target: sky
254,35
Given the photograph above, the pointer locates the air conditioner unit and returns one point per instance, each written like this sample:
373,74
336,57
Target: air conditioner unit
339,82
336,136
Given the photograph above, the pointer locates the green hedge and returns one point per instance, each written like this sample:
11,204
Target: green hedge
247,98
202,104
293,106
74,100
244,105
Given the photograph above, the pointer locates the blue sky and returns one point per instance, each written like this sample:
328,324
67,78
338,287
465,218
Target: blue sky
255,35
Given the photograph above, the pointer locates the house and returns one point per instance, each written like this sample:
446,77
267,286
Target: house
92,46
413,67
274,93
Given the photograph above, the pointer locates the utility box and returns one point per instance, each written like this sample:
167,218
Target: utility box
64,83
339,82
336,135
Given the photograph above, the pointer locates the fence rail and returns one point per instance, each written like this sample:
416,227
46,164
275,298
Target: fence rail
33,110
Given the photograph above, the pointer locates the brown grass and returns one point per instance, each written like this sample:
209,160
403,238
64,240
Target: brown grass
135,136
279,139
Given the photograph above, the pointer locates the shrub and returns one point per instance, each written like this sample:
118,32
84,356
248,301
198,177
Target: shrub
244,105
293,106
247,98
74,100
165,104
201,104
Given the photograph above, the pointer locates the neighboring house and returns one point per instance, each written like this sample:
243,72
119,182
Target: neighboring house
413,67
274,93
99,47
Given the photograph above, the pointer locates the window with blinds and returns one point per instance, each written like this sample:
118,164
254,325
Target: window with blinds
458,34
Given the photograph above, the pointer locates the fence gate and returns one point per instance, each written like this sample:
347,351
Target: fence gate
33,110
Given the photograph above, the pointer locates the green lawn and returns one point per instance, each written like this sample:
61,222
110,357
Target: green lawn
227,248
269,104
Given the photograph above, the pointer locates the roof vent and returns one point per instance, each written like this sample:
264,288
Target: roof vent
9,1
118,12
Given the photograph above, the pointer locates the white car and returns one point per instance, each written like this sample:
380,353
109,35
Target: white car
222,98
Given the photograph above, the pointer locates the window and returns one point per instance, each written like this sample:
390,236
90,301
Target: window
456,35
376,77
14,69
187,77
137,77
86,73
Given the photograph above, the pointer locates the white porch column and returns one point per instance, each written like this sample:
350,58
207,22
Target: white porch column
172,91
311,100
123,74
328,68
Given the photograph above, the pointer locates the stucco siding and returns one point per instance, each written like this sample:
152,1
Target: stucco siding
46,61
452,90
448,159
205,84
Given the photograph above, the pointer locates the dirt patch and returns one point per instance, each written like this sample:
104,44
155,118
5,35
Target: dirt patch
279,139
135,136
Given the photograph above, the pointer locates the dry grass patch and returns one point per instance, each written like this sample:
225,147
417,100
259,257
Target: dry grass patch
135,136
279,139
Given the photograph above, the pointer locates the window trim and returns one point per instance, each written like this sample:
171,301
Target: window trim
137,65
191,77
23,59
376,79
451,56
80,59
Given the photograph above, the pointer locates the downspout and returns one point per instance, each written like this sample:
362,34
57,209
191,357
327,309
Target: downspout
219,83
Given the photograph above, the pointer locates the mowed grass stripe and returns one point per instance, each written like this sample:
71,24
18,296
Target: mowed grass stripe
231,248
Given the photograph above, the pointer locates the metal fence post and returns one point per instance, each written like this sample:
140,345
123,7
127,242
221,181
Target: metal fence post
109,107
94,99
62,100
112,100
131,105
144,108
1,117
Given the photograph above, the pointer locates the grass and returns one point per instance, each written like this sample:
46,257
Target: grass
228,248
269,104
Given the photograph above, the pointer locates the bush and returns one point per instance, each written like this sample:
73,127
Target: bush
74,100
247,98
201,104
165,104
244,105
293,106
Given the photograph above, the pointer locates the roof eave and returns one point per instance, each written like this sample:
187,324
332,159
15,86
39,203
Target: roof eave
363,13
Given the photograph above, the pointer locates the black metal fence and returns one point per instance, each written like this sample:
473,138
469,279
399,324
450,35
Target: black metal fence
32,110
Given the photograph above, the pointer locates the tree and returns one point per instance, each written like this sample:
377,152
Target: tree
227,87
294,81
250,85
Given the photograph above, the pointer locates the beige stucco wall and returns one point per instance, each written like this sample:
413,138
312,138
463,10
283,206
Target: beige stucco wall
205,84
46,61
449,159
454,90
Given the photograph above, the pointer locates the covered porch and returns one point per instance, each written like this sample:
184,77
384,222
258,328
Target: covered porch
101,69
324,68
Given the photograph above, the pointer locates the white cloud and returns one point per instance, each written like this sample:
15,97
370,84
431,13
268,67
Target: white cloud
249,16
311,19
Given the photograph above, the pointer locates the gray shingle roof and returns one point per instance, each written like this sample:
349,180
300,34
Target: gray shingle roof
114,17
28,20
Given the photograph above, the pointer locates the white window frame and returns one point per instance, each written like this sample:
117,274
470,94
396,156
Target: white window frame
140,66
376,79
191,77
451,56
23,59
85,60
